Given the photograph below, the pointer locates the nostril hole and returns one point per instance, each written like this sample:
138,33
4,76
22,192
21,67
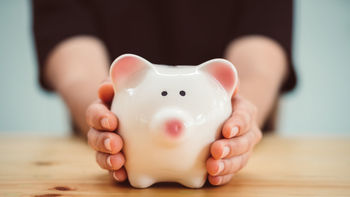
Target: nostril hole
164,93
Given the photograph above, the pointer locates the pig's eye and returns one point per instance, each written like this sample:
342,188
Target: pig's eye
182,93
164,93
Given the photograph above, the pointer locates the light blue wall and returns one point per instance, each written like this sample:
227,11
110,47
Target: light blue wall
24,106
320,104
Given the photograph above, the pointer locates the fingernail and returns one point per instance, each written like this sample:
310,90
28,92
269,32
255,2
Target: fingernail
115,177
107,144
219,180
234,131
221,167
105,123
225,152
109,163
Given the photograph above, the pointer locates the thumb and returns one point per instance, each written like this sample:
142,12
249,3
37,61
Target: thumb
106,91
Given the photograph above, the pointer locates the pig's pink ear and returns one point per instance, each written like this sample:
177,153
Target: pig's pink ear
125,66
223,71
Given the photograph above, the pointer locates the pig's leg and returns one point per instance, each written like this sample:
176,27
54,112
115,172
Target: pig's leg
194,181
140,180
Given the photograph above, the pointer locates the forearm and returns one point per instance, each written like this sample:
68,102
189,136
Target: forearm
75,68
262,66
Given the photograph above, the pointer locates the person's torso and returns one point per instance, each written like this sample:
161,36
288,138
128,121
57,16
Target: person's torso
166,32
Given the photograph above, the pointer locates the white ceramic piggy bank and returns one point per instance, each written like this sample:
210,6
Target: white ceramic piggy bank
169,116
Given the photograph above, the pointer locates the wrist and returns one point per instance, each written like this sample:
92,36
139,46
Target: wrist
262,65
75,60
258,57
75,69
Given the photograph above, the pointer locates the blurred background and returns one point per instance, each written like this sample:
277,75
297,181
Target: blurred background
318,106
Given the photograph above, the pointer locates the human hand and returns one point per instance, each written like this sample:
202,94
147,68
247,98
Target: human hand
241,133
101,136
228,156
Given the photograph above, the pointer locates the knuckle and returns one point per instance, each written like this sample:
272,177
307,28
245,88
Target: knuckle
109,135
238,147
244,161
227,178
239,99
246,103
234,164
91,137
100,159
93,114
246,118
88,110
240,163
97,109
249,107
243,142
243,117
259,135
100,141
88,114
234,148
239,113
97,157
252,138
89,134
92,108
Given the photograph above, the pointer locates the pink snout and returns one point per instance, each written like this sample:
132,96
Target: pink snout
174,127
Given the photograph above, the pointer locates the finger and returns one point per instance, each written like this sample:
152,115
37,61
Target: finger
236,90
241,119
258,134
220,180
237,124
110,162
227,166
120,175
106,92
98,116
226,148
106,142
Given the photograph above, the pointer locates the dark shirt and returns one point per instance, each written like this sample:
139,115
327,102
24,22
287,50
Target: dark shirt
165,32
172,32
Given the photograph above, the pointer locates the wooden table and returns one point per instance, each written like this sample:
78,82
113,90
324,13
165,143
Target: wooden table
42,166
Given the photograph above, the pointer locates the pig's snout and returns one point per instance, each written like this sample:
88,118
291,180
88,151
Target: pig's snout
171,125
174,127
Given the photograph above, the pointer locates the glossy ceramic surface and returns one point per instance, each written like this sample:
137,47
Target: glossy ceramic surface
168,117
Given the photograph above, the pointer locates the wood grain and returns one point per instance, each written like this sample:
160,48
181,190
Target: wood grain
39,166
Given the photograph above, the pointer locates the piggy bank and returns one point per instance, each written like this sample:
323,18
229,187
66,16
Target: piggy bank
169,116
